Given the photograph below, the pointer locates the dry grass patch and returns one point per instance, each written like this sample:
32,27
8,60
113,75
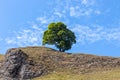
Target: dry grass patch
62,66
1,57
113,74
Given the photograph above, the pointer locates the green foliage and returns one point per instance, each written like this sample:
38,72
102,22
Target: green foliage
58,35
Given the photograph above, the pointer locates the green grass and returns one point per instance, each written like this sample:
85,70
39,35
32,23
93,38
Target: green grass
113,74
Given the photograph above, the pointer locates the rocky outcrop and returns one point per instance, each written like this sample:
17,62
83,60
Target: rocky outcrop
17,66
30,62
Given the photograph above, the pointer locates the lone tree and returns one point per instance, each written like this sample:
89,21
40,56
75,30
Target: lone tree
59,35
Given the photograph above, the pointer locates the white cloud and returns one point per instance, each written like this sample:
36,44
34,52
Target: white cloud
72,11
58,14
64,11
35,27
26,37
88,2
87,12
77,12
81,8
97,12
90,35
42,20
10,41
84,34
84,1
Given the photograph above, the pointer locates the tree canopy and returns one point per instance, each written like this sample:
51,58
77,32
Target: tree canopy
59,35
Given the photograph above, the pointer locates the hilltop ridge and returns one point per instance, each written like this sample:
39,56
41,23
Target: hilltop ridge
31,62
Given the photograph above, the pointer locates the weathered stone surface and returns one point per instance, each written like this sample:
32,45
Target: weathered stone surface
14,59
17,66
27,63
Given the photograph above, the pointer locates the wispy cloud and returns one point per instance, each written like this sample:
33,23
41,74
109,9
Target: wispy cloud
42,20
26,37
65,11
86,34
84,1
77,12
88,2
57,13
81,8
98,12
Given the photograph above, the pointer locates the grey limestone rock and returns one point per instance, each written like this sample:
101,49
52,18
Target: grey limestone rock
14,59
17,67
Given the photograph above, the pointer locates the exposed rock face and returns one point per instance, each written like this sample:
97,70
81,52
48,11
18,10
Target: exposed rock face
27,63
17,66
14,59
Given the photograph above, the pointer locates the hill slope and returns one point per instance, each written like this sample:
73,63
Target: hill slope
80,63
1,57
31,62
112,74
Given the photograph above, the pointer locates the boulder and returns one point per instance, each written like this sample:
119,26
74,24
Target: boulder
14,59
17,66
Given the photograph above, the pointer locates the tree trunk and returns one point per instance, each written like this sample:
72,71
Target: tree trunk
60,49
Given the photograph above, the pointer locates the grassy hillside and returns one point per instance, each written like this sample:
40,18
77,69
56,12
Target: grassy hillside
112,74
62,66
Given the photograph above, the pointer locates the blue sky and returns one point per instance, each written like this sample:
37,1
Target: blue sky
96,23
